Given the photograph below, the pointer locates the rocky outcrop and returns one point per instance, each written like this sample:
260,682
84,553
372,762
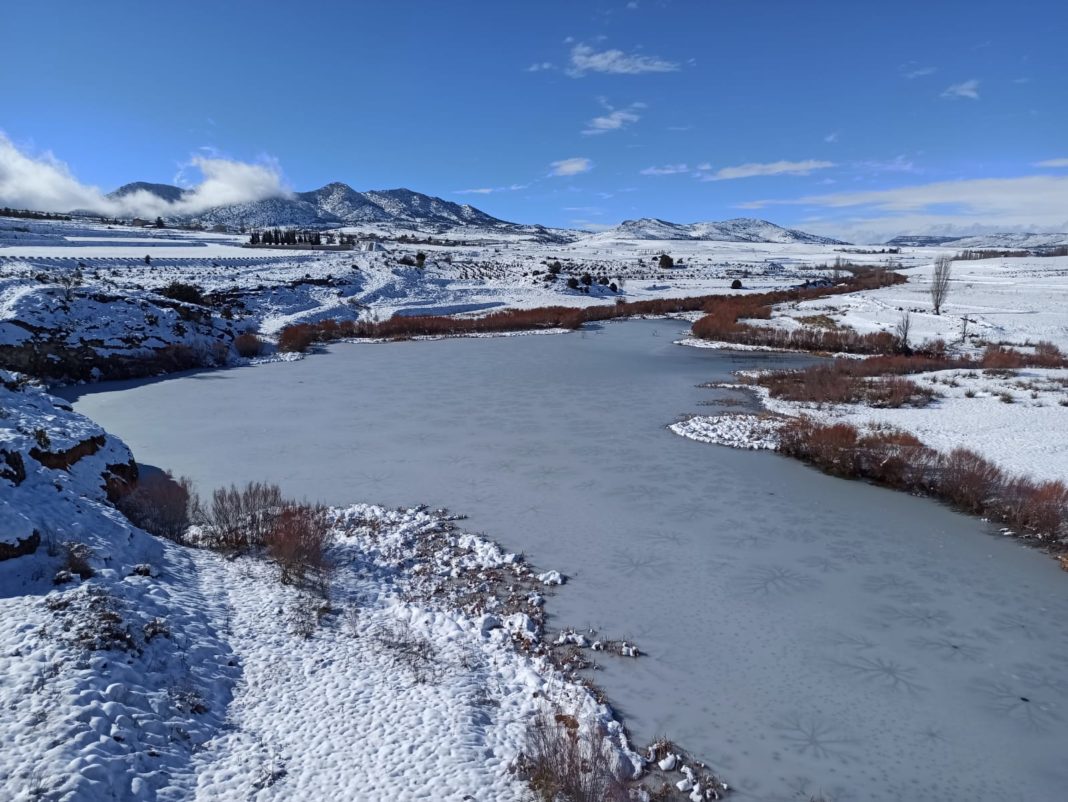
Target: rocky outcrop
12,467
82,335
20,547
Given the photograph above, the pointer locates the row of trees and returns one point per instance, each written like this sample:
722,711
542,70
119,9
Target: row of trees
27,214
293,236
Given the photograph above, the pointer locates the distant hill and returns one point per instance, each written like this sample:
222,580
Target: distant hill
741,229
1007,240
166,192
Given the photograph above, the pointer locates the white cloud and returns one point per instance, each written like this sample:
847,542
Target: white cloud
899,164
540,66
1052,163
968,89
585,59
490,190
913,70
831,137
45,183
572,166
753,169
590,225
667,169
1005,204
614,120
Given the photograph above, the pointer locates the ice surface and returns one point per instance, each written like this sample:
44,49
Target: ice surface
804,634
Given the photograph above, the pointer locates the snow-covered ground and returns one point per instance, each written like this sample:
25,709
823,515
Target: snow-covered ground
1017,300
1018,419
272,288
135,668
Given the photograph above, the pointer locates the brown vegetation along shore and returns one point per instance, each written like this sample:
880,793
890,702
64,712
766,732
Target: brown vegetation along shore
876,381
961,478
720,309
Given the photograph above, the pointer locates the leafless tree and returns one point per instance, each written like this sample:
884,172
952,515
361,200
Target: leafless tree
943,266
904,325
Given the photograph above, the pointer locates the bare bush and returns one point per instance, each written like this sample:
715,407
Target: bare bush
76,559
303,618
969,480
160,504
297,541
903,330
564,761
240,519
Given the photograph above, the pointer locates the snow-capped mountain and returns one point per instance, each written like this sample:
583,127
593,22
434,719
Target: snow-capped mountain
339,201
741,229
338,204
1007,240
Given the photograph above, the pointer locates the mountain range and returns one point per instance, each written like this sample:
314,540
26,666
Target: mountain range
338,204
740,229
1005,240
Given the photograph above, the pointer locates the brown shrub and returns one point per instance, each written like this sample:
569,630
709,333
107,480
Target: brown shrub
160,504
248,345
726,314
968,480
963,478
296,338
997,357
843,382
1047,355
1035,507
896,458
297,542
833,448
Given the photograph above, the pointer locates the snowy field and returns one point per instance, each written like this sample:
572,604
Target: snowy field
1017,419
272,288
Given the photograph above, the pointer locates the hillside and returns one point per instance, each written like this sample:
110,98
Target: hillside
741,229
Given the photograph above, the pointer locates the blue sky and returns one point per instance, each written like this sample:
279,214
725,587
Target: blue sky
835,115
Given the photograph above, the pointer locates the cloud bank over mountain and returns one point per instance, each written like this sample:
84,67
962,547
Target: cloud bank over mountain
45,183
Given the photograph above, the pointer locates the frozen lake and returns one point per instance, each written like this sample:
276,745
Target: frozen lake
805,634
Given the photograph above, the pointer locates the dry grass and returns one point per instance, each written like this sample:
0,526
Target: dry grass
564,761
837,384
